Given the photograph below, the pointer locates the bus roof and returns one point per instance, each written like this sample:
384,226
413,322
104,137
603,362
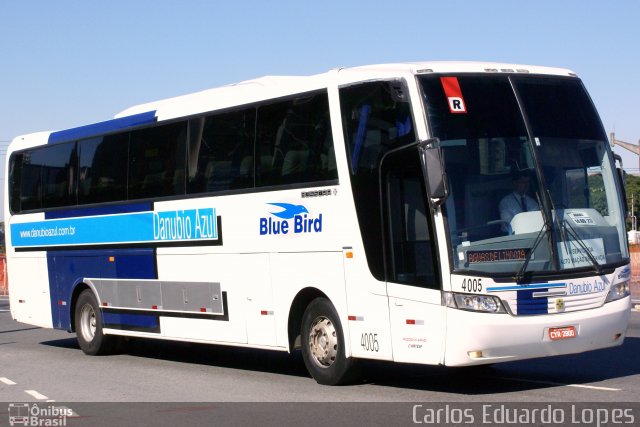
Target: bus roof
267,87
255,90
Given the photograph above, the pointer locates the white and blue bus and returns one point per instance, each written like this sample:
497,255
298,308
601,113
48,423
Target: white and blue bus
356,214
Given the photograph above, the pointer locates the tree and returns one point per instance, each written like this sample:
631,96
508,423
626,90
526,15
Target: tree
633,188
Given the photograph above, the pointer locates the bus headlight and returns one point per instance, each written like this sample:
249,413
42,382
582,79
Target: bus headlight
473,302
618,291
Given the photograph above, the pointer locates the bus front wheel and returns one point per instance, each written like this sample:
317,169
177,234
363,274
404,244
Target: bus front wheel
88,322
323,344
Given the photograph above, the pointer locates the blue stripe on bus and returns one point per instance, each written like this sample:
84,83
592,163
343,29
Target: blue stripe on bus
99,210
198,226
102,127
527,304
68,268
525,287
131,321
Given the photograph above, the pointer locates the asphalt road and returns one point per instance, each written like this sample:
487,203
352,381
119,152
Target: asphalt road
41,365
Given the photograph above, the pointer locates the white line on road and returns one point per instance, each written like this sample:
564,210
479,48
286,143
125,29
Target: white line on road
7,381
594,387
590,387
36,395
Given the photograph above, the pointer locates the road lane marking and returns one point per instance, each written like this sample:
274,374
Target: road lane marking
7,381
36,395
590,387
594,387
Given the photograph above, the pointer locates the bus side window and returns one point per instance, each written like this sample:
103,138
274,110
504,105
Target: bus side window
48,177
294,143
410,248
15,178
103,169
376,117
220,155
59,175
26,182
156,161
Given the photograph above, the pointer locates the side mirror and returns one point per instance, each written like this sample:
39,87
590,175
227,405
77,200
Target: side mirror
622,180
433,167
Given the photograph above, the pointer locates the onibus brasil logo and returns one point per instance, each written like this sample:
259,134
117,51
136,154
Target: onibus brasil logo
24,414
290,219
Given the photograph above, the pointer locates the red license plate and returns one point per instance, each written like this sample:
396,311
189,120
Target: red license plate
562,333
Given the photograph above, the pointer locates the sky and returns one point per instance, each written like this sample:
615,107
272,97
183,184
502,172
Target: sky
67,63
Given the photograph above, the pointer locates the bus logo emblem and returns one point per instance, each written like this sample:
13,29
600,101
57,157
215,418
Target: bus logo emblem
559,303
289,211
291,219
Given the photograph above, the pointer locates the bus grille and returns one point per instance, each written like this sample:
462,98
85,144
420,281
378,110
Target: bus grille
527,302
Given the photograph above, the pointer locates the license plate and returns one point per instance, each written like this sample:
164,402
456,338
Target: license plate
562,333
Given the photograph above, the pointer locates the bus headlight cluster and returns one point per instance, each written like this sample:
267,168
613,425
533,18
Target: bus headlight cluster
618,291
473,302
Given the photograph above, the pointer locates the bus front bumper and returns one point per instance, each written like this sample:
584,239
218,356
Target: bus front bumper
479,338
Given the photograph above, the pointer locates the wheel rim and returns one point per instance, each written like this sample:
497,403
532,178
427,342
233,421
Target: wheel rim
88,323
323,342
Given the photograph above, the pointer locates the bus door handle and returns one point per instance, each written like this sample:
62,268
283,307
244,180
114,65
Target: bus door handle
397,304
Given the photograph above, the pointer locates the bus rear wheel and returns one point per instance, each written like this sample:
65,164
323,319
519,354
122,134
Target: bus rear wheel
323,349
88,323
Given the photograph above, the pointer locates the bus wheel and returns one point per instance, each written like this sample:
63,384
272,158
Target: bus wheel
88,324
323,344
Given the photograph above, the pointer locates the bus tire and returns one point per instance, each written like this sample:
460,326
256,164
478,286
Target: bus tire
88,323
323,349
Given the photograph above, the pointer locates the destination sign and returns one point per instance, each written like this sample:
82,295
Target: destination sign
498,255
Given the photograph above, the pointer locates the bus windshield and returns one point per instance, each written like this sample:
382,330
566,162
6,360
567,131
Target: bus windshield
532,187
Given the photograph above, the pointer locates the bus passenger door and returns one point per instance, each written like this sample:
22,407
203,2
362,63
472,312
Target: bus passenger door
415,309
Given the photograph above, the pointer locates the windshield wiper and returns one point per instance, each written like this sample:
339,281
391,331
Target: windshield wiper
567,226
546,227
563,225
519,275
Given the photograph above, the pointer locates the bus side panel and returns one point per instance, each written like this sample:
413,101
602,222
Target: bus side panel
292,272
69,268
368,309
417,323
234,272
29,291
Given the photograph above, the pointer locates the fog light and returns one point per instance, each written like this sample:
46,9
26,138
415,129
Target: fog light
475,354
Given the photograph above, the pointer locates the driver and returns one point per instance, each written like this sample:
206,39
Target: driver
517,201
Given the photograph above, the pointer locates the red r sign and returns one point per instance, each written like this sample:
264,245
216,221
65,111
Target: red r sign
454,95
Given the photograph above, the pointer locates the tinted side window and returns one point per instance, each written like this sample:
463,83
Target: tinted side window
103,169
59,175
157,161
44,178
294,142
26,181
16,178
376,118
410,248
221,152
